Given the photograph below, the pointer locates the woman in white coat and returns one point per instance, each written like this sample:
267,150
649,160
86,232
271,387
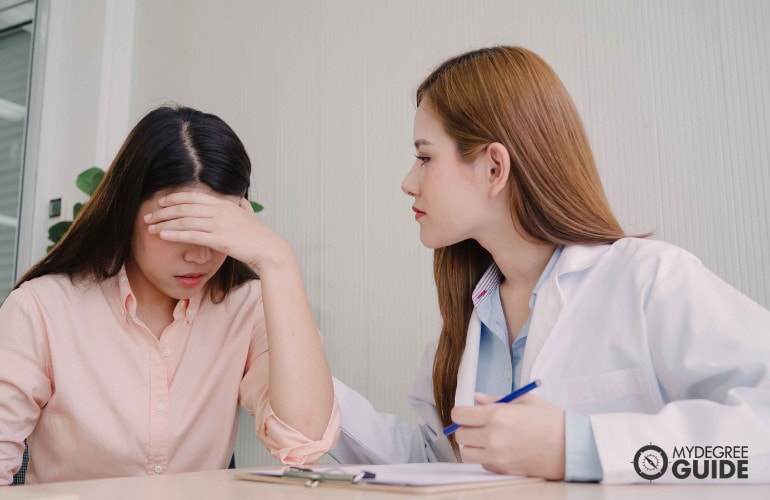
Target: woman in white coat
651,366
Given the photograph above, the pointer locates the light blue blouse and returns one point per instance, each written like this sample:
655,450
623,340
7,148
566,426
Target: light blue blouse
499,368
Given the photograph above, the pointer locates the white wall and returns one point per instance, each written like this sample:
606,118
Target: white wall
78,114
673,94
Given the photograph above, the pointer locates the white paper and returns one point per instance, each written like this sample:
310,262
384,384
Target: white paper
419,474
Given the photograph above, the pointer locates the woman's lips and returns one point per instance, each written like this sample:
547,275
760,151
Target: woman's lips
417,213
190,280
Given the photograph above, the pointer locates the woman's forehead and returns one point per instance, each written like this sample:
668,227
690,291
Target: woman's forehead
198,187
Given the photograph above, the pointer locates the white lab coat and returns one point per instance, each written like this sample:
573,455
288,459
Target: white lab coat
637,334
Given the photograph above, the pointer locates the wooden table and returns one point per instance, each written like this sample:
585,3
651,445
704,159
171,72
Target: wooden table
221,485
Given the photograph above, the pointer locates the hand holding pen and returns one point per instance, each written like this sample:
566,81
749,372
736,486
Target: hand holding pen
505,399
525,437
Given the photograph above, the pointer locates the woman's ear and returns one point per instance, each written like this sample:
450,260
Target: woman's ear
499,168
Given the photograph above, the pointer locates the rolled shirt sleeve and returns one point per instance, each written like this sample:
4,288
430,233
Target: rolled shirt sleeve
288,445
292,447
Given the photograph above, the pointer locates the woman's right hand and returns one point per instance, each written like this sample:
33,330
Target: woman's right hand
226,224
524,437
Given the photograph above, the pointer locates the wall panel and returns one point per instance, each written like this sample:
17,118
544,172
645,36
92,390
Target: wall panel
673,95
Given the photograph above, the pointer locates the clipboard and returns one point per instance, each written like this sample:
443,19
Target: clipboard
418,478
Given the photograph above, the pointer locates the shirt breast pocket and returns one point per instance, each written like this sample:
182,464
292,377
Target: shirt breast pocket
626,390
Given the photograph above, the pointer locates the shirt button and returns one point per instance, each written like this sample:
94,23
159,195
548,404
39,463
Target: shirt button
159,407
158,469
166,353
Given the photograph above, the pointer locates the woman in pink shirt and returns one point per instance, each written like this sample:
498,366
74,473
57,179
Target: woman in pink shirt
128,348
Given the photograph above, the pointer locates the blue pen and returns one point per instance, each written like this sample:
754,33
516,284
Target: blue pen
507,399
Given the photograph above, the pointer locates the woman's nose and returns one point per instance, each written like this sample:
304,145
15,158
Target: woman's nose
198,254
409,184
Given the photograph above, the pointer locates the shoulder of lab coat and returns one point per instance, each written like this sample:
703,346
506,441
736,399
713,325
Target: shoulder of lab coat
709,346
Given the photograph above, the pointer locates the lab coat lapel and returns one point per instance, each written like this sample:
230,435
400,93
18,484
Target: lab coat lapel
548,308
550,301
466,374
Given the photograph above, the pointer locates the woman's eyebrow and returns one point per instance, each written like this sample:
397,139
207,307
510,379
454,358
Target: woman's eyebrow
422,142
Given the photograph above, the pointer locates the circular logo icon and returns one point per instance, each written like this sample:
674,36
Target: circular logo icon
650,462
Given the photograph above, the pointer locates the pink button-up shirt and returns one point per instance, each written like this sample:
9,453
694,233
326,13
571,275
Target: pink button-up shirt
100,396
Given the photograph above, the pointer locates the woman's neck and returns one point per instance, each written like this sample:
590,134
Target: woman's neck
521,260
154,308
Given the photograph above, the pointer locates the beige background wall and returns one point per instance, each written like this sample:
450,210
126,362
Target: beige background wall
673,94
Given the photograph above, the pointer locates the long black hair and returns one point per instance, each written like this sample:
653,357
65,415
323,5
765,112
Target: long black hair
170,147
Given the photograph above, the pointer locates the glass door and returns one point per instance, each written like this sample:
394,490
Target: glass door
16,25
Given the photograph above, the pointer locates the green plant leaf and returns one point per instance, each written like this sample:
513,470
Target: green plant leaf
76,209
56,231
256,206
89,179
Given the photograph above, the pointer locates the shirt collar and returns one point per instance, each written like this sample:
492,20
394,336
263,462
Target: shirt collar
577,258
489,282
124,300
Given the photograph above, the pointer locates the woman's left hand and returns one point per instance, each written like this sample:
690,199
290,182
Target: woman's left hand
524,437
224,224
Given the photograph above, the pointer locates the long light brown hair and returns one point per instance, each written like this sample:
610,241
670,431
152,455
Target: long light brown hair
511,96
